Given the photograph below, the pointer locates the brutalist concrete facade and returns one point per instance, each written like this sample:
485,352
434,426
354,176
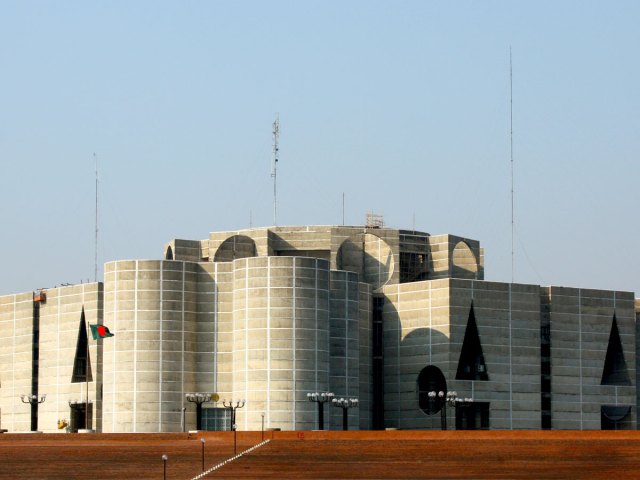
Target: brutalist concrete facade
270,314
40,353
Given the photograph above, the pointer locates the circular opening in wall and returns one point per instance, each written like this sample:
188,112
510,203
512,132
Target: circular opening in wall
431,380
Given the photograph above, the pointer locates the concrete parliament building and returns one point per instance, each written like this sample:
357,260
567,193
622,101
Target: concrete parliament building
384,315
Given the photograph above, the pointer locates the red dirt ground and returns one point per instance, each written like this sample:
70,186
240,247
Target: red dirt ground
336,455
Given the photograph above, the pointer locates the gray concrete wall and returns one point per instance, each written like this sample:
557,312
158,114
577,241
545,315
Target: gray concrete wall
425,324
259,236
16,333
416,334
581,322
60,318
185,250
456,257
59,323
508,321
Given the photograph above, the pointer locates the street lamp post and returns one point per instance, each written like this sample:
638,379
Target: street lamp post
345,404
233,408
443,413
448,399
198,399
320,398
262,415
202,441
33,400
164,461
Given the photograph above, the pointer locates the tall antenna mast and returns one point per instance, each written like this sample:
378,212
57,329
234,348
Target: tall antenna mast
274,169
511,153
95,270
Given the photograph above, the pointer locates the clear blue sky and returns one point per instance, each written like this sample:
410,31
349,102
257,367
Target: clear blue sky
403,106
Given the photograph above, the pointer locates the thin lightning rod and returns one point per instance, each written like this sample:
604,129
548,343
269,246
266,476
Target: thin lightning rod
95,259
511,147
274,170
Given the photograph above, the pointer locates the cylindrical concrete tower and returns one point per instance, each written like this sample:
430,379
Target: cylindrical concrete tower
280,339
150,307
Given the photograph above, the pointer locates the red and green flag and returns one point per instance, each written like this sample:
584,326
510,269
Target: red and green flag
100,331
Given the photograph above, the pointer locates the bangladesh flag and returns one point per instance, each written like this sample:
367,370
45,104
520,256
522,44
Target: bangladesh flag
100,331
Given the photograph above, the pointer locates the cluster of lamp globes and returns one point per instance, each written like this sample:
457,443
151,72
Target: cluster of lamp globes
322,397
208,397
450,397
198,397
33,398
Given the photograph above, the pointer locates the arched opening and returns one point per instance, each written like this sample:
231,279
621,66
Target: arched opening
463,262
431,379
169,253
238,246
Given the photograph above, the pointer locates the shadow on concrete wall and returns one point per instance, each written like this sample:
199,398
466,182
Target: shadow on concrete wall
406,354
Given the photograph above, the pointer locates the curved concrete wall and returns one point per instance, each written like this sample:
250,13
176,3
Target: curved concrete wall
150,306
345,344
280,339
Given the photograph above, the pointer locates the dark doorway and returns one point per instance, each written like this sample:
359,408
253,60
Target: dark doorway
472,416
615,417
79,418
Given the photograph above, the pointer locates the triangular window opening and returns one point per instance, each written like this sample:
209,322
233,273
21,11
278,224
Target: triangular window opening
471,365
615,367
81,362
